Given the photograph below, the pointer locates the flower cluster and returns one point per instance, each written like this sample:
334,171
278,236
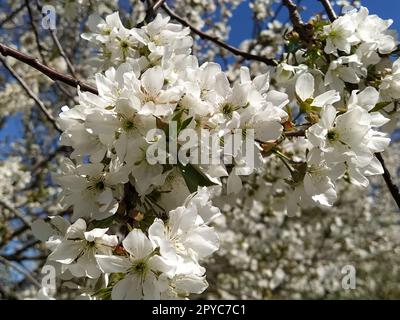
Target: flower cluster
342,143
157,83
144,47
358,40
341,89
164,264
140,224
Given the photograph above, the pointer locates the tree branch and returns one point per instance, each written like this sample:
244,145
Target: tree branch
21,250
62,52
15,212
298,25
51,73
59,46
39,46
21,270
16,233
32,95
150,12
299,133
33,258
45,159
394,190
203,35
35,31
294,15
329,10
12,15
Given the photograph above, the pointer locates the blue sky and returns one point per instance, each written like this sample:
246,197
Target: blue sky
241,25
241,28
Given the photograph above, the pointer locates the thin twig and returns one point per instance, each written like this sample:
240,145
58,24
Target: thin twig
12,15
295,18
15,212
31,94
294,15
394,190
42,162
17,232
50,72
33,258
40,47
21,270
329,10
60,48
150,12
35,31
158,4
299,133
203,35
62,53
276,13
21,250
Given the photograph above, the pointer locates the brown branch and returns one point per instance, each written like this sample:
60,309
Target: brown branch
51,73
62,52
299,133
329,10
59,46
294,15
158,4
150,12
24,258
31,94
203,35
298,25
394,190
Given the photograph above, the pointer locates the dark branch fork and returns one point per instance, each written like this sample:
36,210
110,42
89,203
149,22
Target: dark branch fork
394,190
50,72
294,15
329,10
31,94
12,15
203,35
150,12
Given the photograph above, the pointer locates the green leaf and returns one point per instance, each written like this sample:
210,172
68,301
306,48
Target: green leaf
299,172
185,123
193,177
178,115
380,106
105,223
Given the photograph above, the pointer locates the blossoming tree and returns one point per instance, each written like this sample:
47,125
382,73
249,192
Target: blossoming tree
155,155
